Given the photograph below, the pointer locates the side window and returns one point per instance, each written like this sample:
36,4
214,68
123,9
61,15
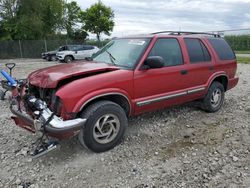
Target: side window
197,51
222,49
73,48
169,49
88,47
79,48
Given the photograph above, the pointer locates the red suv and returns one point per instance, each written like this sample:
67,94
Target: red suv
127,77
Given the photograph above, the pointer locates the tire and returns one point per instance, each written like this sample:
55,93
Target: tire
48,58
2,95
98,135
214,98
68,59
53,58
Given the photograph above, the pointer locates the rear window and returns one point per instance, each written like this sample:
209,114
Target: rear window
222,49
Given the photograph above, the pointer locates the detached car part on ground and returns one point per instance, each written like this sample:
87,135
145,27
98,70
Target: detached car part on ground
76,52
127,77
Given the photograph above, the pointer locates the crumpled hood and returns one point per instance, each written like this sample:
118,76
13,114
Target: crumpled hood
50,76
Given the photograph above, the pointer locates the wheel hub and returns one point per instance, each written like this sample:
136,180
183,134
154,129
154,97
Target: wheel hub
106,128
216,97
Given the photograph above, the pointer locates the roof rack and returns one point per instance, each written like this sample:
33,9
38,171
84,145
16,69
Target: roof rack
186,33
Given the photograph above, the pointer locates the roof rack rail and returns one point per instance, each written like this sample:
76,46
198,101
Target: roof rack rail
186,33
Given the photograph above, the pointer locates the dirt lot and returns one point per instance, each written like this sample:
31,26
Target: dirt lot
177,147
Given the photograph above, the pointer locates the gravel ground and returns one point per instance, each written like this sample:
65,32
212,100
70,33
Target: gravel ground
176,147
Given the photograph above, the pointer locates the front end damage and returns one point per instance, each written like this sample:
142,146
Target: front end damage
39,111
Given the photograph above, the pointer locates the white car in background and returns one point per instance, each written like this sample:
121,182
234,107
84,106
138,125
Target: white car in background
76,52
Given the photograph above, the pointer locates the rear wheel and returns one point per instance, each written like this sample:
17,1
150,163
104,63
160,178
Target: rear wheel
105,126
68,59
214,98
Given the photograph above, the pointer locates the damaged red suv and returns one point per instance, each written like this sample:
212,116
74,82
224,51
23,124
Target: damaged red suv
129,76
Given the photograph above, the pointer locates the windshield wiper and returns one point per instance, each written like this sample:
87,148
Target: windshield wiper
112,58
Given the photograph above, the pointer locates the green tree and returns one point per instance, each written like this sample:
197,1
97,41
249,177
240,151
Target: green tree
52,16
29,24
30,19
98,19
71,18
79,35
8,10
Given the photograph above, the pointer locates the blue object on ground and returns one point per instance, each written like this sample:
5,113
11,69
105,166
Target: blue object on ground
11,81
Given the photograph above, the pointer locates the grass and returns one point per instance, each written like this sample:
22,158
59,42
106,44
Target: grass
245,60
243,52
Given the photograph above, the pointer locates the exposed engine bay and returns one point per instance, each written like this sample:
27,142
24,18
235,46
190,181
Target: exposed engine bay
38,110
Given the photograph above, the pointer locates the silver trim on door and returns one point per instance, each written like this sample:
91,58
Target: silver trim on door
158,99
195,90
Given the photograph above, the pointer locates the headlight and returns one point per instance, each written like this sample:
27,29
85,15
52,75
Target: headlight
56,105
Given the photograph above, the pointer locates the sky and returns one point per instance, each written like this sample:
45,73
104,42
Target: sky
147,16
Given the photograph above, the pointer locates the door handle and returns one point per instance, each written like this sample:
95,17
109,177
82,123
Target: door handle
183,72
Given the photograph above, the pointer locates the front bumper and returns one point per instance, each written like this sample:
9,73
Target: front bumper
47,122
60,57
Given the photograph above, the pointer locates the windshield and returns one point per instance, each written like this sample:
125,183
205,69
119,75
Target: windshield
62,48
122,52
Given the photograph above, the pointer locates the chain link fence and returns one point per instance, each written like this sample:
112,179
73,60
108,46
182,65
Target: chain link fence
34,48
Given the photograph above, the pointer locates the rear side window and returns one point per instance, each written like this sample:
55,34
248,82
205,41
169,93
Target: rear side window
88,47
169,49
222,49
197,51
74,47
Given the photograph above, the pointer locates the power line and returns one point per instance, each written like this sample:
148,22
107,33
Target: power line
244,29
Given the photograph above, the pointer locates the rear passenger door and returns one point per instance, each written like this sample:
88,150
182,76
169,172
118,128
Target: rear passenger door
201,65
80,53
86,52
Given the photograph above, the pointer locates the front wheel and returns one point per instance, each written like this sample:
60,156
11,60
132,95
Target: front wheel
53,58
105,126
48,58
214,98
68,59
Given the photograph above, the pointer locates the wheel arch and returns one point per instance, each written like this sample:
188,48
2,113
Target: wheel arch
221,78
70,55
116,97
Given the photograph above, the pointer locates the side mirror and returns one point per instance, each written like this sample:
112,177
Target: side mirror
153,62
76,52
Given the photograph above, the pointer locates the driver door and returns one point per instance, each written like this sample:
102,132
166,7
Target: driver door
161,87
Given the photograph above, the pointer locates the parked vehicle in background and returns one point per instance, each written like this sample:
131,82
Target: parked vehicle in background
129,76
76,52
51,55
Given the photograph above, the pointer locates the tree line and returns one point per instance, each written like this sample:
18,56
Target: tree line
239,42
50,19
